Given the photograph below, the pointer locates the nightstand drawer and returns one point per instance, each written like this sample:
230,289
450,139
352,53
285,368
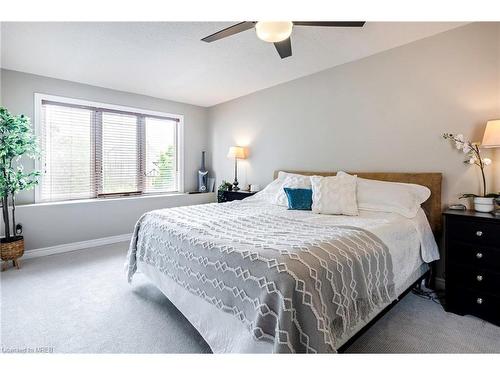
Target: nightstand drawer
473,255
473,231
481,304
480,280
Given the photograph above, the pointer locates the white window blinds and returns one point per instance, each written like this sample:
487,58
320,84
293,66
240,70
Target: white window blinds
161,157
67,158
90,152
120,151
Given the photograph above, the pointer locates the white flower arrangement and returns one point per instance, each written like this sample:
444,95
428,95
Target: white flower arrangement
473,157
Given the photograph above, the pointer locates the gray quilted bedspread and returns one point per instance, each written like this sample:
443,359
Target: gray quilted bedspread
303,286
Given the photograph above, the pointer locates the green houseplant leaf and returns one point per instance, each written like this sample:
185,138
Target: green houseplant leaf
16,140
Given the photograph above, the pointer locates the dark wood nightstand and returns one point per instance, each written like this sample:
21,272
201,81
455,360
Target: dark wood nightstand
228,196
472,256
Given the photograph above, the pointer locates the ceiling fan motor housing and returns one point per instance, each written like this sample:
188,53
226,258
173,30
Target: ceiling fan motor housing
273,32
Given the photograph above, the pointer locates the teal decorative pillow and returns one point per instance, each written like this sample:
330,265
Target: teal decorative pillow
299,199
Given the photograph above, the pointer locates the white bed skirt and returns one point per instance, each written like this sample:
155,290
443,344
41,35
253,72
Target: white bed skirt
223,332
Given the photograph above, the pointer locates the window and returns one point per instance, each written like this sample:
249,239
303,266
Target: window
91,150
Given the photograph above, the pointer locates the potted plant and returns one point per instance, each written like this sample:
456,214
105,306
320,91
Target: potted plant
484,202
16,140
224,186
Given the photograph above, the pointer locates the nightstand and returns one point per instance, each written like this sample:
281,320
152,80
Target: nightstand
472,257
228,196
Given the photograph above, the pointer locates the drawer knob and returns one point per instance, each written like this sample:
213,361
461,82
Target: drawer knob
479,233
479,301
479,277
479,255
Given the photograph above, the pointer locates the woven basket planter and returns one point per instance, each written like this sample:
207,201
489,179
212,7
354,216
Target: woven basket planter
12,250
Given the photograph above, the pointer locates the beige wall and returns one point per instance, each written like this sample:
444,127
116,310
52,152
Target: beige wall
382,113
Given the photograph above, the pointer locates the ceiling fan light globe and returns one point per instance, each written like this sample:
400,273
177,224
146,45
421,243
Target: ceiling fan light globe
273,32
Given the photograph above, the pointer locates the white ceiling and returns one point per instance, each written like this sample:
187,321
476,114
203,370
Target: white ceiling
168,60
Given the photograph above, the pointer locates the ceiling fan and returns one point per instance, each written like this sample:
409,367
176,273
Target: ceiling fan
276,32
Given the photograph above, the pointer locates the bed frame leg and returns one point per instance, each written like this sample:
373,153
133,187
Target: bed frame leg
428,281
424,282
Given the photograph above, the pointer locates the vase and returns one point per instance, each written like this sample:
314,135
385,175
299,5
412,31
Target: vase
202,175
482,204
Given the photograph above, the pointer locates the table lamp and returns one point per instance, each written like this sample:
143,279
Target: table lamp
491,139
236,152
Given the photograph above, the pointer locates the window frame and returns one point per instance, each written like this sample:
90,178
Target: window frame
37,116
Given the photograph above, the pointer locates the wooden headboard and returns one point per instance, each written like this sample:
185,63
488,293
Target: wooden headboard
431,207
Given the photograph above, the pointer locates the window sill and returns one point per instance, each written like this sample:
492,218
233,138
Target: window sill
113,199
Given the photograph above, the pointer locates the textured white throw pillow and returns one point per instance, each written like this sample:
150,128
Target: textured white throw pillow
334,195
291,180
274,193
401,198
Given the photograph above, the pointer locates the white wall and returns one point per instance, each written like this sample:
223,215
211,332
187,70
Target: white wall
55,224
382,113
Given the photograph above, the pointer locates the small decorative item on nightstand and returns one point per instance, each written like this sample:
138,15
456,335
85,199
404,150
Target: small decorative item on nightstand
225,186
497,210
254,188
472,253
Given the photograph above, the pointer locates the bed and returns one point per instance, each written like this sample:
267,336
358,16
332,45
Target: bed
257,278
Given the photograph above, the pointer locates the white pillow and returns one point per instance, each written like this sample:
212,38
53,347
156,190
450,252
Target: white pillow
269,193
295,181
334,195
401,198
274,192
282,175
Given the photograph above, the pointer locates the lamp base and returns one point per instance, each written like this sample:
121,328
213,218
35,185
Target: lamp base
235,186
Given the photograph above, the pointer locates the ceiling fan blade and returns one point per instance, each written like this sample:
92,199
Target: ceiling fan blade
330,23
228,31
284,48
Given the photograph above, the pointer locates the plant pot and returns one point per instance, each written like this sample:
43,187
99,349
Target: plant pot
482,204
12,249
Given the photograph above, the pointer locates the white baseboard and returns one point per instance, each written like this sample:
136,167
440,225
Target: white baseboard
64,248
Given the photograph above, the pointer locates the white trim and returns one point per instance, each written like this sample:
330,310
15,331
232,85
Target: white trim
87,103
38,97
180,152
64,248
102,199
37,111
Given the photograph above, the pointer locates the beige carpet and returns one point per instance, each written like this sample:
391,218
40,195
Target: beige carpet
80,302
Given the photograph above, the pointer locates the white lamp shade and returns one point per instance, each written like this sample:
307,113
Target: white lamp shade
237,152
273,31
491,136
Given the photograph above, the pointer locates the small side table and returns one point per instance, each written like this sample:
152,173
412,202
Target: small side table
228,196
